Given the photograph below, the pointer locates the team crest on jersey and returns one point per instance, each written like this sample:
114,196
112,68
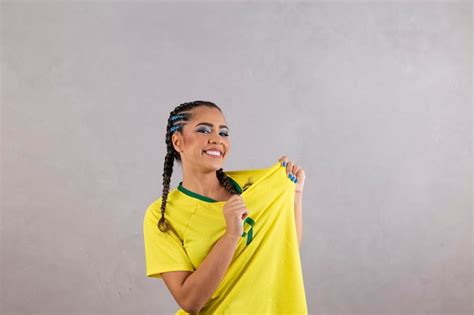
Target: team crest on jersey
247,184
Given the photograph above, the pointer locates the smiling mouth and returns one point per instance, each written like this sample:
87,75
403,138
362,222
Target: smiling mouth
214,154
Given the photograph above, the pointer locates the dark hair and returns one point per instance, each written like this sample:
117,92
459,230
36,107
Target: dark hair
181,113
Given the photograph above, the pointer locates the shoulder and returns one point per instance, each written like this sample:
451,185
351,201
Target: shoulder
177,210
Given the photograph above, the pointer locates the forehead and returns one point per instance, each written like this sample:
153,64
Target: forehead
208,114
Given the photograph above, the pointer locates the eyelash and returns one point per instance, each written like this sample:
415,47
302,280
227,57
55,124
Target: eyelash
201,130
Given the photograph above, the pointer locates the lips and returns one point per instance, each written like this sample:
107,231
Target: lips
214,149
213,155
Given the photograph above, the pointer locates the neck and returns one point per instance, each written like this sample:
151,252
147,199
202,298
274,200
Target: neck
203,183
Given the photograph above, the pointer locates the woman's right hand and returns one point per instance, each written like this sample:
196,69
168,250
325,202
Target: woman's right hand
234,213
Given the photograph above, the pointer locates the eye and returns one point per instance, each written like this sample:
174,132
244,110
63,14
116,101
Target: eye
205,130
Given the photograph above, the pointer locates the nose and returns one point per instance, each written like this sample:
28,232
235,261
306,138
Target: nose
215,139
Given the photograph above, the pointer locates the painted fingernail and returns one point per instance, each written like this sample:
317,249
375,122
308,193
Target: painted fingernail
284,163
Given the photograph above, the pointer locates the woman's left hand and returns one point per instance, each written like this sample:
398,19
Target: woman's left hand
294,173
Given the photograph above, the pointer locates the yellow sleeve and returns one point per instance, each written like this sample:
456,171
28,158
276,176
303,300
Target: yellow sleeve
163,251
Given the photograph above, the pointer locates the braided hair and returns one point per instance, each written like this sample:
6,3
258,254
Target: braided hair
181,113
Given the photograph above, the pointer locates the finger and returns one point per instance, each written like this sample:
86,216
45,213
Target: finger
240,210
300,175
234,203
283,159
237,202
289,167
236,208
235,198
295,169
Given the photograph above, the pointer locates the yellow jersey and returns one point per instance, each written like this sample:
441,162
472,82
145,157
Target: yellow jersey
265,274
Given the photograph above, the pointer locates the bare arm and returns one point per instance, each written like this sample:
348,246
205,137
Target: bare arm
298,178
198,287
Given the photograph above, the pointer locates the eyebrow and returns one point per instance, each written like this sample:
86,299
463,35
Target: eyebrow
211,125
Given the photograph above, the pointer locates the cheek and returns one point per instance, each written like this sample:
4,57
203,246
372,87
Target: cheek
195,138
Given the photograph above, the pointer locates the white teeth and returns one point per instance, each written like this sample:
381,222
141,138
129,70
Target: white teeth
217,153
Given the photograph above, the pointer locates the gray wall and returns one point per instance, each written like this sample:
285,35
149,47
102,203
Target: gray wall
372,99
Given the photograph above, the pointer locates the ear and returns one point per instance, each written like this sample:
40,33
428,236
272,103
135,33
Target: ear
176,141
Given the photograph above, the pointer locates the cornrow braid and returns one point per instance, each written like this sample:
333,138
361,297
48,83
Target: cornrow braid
178,116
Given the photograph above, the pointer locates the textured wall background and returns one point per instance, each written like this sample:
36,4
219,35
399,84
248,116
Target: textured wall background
372,99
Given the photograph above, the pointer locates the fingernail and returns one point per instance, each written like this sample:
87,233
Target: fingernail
284,163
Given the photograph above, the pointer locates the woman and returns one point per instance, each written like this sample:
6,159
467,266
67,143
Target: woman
193,249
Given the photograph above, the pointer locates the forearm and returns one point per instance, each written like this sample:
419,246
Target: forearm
299,216
203,282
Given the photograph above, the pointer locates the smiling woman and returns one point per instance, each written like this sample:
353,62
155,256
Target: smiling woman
207,251
198,138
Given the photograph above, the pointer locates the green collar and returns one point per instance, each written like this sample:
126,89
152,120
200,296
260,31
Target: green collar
204,198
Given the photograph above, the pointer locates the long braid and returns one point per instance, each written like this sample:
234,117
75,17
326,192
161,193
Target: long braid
225,181
181,113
